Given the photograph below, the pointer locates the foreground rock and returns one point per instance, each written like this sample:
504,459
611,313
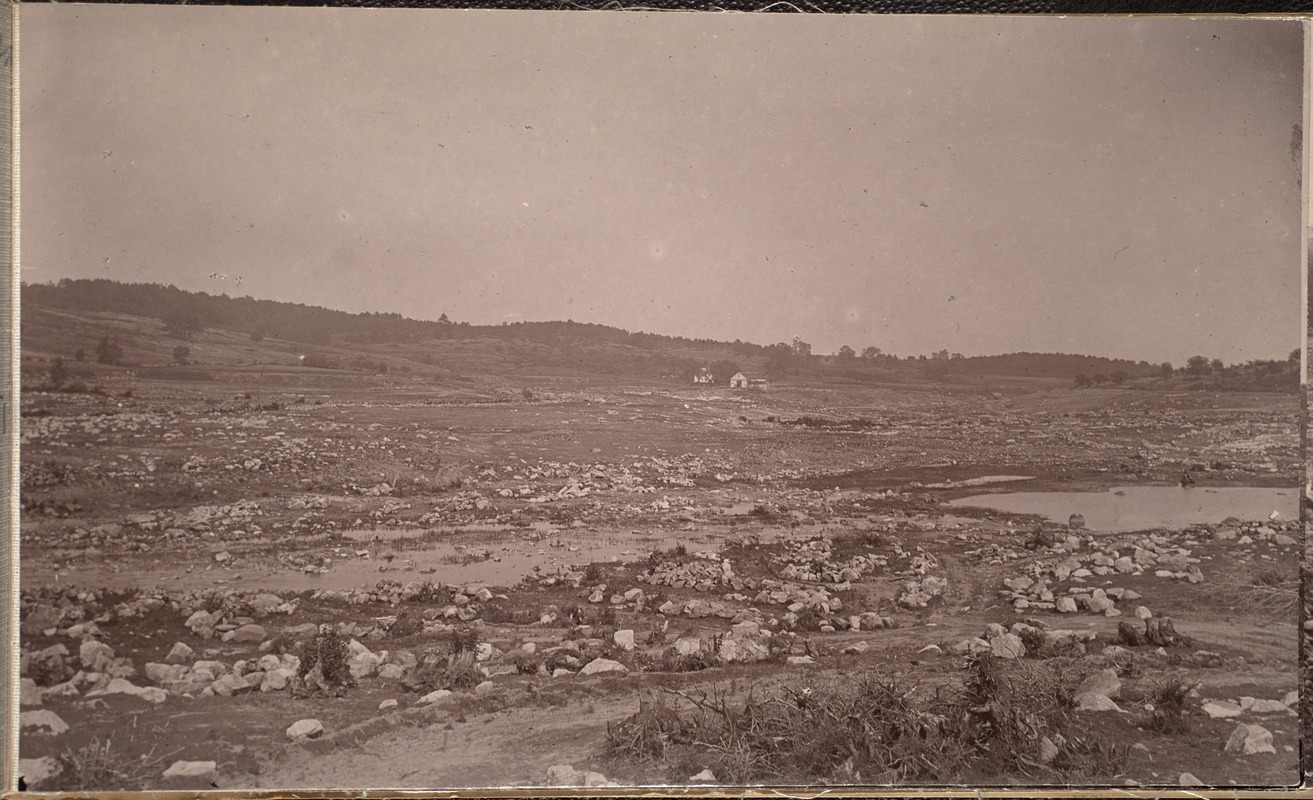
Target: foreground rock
305,729
35,771
192,769
567,775
1248,740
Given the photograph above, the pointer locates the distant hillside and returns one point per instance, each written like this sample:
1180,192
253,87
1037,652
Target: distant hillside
148,322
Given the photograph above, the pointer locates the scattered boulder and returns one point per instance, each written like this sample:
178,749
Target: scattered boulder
192,769
1248,740
29,694
251,633
433,697
600,665
1104,682
305,729
180,654
35,771
150,694
567,775
96,656
1093,701
1009,645
1222,709
42,721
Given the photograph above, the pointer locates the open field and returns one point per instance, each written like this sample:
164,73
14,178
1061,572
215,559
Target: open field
553,557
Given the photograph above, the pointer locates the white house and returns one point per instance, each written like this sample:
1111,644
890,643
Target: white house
739,381
704,377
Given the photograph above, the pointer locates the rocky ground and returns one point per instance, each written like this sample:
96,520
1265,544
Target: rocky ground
200,609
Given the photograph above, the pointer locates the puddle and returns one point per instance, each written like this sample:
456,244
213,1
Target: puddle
981,481
1135,508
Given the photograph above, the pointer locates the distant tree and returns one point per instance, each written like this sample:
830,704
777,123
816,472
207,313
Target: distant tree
257,335
79,355
846,353
941,355
1166,369
1083,381
443,319
1294,357
1198,365
870,352
724,370
181,353
1099,378
1118,376
801,348
108,351
957,357
778,362
1217,365
58,373
182,326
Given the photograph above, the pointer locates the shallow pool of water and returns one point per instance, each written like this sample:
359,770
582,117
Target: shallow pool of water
1135,508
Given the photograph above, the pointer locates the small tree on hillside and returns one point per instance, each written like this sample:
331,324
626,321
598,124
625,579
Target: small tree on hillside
181,353
1118,377
79,355
870,352
1099,378
108,351
1083,381
1217,365
1166,369
58,373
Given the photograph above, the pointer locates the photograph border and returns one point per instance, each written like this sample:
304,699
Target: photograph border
10,14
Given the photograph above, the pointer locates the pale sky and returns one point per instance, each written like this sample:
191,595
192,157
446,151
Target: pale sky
1112,186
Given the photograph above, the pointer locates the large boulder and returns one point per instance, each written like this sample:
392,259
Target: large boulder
602,665
249,633
1248,740
305,729
202,770
96,656
1009,645
41,721
150,694
35,771
180,654
1104,682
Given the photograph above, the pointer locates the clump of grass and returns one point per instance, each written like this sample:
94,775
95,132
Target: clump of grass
593,573
455,671
871,728
463,639
324,669
408,624
97,766
606,617
1170,712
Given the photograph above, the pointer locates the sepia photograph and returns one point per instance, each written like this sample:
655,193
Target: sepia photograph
485,400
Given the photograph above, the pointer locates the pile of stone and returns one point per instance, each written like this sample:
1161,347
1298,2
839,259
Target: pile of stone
1027,593
706,573
812,561
1010,642
918,593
